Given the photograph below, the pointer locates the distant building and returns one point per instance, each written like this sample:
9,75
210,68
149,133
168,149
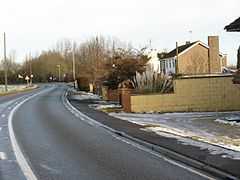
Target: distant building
153,64
194,58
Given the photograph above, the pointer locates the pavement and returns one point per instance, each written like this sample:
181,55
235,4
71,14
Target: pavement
59,143
216,161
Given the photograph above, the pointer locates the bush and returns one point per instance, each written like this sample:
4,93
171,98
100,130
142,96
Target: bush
152,82
83,84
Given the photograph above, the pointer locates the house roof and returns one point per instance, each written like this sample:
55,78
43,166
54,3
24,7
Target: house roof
182,49
234,26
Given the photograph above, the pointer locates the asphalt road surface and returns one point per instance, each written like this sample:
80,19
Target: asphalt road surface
59,145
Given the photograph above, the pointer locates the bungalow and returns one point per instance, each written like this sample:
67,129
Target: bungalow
194,58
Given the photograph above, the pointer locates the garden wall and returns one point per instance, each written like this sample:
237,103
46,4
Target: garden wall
203,93
110,94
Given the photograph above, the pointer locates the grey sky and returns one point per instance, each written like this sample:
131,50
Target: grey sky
37,25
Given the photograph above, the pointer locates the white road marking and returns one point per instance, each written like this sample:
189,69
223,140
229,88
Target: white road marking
3,115
52,170
3,156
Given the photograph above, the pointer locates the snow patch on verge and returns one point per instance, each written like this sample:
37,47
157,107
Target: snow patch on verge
84,96
202,130
215,148
104,106
230,122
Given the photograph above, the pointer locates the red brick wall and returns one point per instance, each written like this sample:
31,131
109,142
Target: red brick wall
125,99
113,95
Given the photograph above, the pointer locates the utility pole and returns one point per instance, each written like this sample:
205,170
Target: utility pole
59,72
30,68
176,64
74,66
5,62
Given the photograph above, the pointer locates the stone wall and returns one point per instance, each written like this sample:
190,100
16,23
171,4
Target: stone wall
192,94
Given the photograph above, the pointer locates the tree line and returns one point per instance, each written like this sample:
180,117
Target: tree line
98,60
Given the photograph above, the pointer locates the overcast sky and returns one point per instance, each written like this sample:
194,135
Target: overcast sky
35,25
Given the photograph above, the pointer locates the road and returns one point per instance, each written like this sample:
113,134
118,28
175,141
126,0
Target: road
9,168
59,145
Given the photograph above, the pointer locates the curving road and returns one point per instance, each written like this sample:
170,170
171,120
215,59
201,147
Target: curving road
59,145
9,169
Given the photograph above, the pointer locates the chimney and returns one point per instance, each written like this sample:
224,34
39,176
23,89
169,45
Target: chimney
214,63
188,42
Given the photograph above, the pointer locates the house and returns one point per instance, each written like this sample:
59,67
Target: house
236,79
194,58
234,26
153,64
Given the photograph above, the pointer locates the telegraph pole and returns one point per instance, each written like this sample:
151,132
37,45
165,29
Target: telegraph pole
30,68
5,62
59,72
176,63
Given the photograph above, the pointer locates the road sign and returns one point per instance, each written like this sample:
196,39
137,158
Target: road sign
27,78
20,76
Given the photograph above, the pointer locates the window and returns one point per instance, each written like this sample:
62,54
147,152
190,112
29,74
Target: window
173,62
